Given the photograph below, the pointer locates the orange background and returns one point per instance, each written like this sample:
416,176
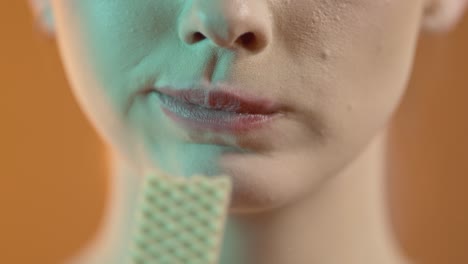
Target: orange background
53,176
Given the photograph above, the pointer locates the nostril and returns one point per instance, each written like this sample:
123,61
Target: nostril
197,37
248,40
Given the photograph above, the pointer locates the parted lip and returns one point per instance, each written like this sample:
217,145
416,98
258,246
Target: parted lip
221,99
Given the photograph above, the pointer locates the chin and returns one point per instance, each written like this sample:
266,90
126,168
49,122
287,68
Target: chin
244,204
265,183
254,195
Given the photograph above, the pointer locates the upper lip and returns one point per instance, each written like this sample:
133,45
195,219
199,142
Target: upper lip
222,99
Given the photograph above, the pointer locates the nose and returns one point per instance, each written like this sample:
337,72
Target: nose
231,24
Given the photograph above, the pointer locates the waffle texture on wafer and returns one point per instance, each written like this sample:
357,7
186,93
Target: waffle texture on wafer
180,220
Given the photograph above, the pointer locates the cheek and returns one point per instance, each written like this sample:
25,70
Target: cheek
370,64
369,56
93,57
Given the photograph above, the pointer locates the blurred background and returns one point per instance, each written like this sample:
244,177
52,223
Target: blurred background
53,170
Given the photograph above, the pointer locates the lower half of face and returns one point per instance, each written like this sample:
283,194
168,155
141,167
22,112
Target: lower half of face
339,69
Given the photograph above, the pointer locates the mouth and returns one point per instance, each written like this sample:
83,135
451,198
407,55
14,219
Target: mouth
216,110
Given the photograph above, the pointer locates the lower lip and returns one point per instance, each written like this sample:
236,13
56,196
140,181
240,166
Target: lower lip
197,117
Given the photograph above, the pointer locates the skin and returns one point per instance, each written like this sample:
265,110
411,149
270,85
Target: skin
339,67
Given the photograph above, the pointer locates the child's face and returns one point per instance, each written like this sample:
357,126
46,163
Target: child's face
338,67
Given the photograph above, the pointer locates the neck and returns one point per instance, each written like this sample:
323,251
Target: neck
345,221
